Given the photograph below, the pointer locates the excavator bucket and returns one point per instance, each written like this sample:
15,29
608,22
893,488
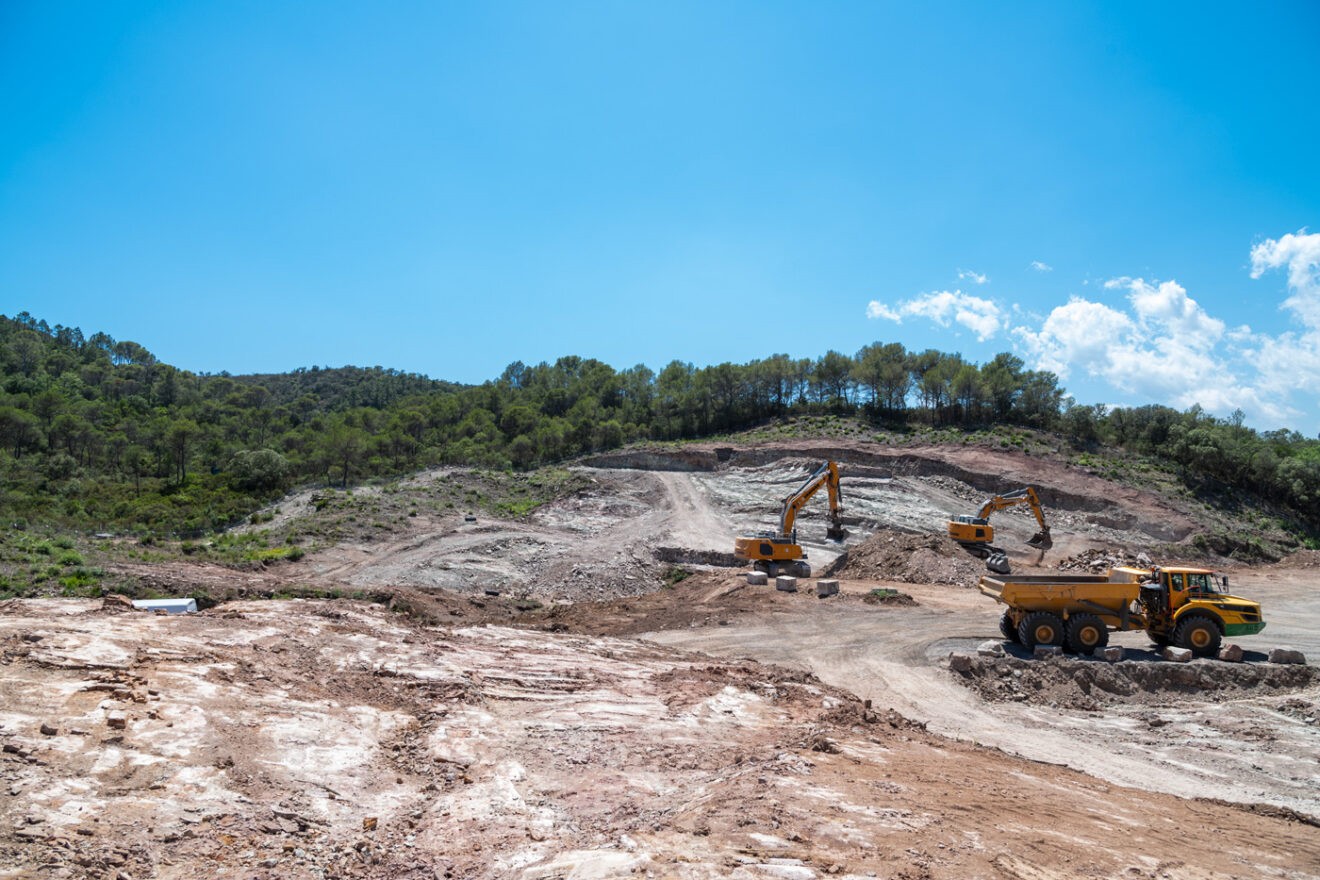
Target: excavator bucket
836,533
1041,540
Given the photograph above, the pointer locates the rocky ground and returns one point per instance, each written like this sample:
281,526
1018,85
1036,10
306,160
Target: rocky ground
336,739
590,691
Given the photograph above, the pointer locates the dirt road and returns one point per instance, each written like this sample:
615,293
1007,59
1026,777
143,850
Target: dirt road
1250,750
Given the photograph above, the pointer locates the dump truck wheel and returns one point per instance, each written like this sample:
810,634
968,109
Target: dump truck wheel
1040,628
1161,641
1198,634
1009,628
1086,632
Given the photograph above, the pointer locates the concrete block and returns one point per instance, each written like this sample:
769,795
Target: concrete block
1230,654
960,662
786,584
1288,656
1177,655
826,588
1112,653
990,649
116,720
1044,652
757,578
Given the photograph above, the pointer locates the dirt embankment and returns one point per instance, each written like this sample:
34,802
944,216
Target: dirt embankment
1091,685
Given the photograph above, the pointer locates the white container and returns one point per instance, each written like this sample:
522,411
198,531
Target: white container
173,606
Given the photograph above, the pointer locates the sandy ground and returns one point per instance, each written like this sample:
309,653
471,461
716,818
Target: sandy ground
480,737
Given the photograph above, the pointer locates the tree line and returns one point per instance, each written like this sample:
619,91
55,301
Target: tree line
99,433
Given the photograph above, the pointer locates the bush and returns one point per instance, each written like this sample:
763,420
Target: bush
258,470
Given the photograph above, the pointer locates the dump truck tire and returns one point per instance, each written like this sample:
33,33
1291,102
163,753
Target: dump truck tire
1009,628
1198,634
1159,640
1040,628
1085,633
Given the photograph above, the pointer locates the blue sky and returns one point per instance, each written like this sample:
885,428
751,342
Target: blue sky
1121,192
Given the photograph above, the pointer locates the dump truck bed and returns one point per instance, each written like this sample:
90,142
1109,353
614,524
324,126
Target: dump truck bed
1106,595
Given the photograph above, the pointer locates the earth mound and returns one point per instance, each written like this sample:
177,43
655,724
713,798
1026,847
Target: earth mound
893,555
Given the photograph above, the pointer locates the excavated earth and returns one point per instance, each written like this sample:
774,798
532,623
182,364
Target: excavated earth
522,698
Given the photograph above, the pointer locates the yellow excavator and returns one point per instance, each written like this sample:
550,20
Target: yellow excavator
977,536
779,553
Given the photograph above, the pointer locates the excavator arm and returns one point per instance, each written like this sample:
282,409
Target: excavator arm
826,475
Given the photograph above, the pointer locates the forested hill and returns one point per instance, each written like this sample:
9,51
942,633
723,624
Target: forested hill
97,433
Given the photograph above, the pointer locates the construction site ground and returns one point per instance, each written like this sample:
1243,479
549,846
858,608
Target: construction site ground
523,699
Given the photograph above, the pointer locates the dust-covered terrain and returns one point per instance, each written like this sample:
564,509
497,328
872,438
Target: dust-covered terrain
516,695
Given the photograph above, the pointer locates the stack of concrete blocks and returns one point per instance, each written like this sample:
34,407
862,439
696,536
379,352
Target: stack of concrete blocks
826,588
785,584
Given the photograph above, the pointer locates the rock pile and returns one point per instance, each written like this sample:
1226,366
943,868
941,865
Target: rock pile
1099,560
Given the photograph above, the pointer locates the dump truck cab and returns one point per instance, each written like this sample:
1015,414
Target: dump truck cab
1178,602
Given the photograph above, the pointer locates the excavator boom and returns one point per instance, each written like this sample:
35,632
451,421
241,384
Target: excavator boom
826,475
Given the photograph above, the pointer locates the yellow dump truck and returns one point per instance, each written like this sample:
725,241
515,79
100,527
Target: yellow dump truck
1187,607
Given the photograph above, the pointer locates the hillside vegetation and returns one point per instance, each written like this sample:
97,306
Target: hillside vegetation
98,435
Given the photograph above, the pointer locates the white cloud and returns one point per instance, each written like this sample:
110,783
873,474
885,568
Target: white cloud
877,309
1041,267
1301,254
1162,344
974,277
983,317
1168,347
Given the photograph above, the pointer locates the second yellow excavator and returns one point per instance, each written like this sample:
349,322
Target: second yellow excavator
779,553
977,535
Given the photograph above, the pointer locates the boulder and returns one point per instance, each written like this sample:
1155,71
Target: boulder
1177,655
116,602
1044,652
1111,653
990,649
1230,654
960,662
1287,656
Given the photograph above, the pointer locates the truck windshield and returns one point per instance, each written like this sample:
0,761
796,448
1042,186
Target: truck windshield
1201,583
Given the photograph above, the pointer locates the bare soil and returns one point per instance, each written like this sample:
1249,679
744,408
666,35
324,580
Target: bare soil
520,697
